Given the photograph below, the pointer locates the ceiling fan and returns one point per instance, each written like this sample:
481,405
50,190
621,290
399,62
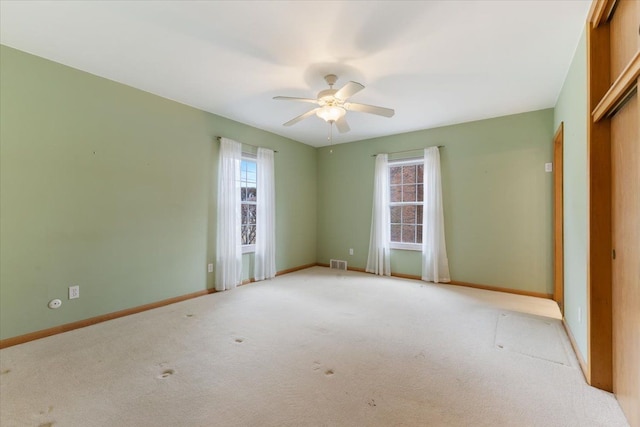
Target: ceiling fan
332,104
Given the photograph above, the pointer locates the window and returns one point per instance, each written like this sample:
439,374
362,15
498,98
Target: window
406,203
248,200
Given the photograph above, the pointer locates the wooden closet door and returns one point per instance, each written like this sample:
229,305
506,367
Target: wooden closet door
625,158
613,45
625,216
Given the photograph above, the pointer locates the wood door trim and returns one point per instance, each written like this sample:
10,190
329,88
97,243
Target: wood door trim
619,91
558,217
599,297
600,12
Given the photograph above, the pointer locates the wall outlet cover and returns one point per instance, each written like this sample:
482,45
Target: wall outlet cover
74,292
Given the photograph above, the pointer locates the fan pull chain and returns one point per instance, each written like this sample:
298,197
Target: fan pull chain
330,138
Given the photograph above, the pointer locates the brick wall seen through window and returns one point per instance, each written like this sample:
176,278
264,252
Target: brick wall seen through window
406,202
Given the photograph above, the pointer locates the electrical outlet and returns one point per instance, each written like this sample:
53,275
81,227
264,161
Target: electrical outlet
579,314
548,167
74,292
350,251
210,268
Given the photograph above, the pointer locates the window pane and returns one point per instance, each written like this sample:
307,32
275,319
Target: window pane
253,209
419,214
248,194
396,193
409,174
248,214
396,233
419,234
245,214
252,235
408,193
409,233
248,234
420,172
409,214
396,214
420,194
395,175
251,166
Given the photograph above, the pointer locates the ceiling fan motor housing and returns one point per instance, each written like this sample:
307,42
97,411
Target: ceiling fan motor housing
331,79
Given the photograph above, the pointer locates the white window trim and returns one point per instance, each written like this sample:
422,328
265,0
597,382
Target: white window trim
406,246
249,249
407,162
403,246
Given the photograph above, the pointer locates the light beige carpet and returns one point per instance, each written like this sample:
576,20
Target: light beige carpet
523,334
312,348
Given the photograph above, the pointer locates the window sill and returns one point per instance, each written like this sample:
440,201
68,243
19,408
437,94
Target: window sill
248,249
406,246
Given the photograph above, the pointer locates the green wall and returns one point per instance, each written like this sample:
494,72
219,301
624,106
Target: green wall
496,194
571,109
113,189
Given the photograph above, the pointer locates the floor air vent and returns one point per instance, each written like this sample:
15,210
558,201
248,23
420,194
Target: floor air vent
338,264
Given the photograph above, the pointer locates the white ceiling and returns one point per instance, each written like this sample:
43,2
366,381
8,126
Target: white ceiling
434,62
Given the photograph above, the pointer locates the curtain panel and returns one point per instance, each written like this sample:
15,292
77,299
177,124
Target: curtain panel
265,255
228,244
435,265
378,261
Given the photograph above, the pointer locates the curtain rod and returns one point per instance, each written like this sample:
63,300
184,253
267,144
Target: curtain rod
408,151
250,145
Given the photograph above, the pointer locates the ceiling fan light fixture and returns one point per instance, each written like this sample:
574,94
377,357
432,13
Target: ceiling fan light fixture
332,105
331,113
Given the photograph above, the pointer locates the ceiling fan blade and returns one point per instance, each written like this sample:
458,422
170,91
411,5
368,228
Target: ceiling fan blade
292,98
372,109
301,117
348,90
342,125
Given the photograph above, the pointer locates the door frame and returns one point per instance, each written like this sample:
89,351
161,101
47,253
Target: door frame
558,217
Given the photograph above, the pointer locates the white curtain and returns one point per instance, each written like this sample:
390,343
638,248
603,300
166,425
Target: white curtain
265,255
228,244
379,251
435,265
